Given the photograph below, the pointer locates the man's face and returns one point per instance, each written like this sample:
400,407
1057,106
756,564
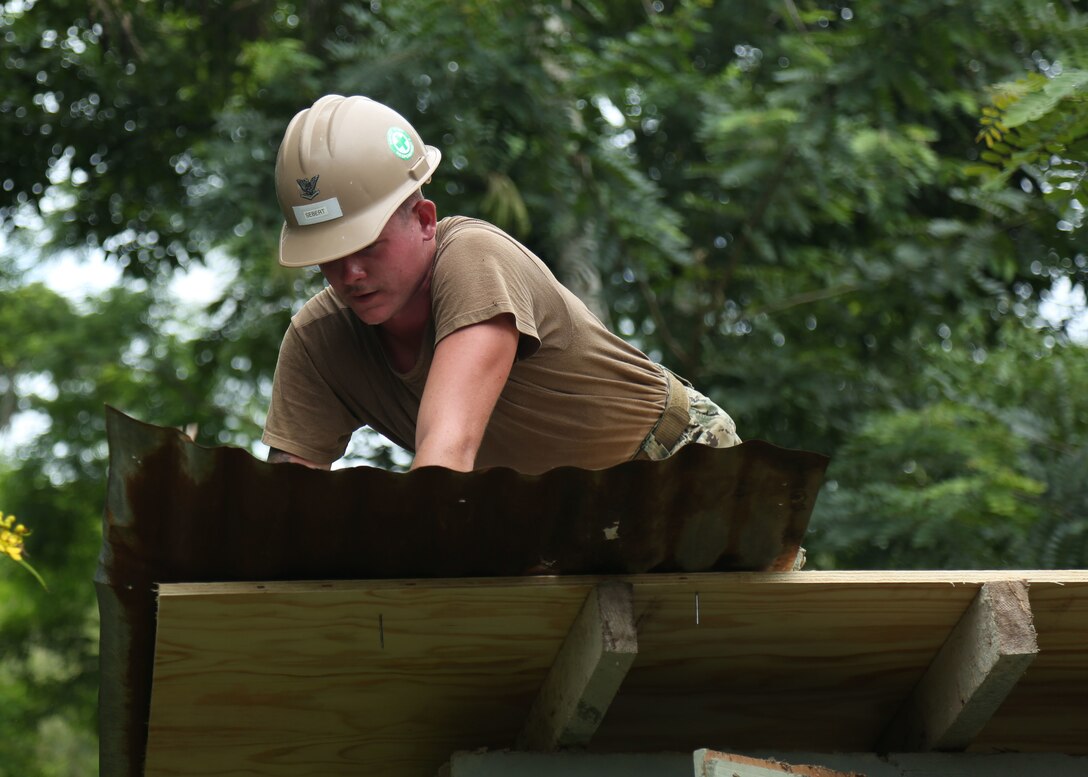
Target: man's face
390,277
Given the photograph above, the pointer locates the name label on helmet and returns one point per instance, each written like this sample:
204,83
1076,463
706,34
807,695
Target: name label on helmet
316,212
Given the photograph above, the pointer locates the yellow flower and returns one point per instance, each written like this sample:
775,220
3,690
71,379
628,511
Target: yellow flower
12,535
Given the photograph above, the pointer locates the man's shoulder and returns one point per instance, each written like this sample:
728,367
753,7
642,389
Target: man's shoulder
463,242
323,306
457,230
326,328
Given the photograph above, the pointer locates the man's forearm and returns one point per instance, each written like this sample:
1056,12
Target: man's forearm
452,453
468,372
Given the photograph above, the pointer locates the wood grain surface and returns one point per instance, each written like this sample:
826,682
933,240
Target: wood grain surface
391,677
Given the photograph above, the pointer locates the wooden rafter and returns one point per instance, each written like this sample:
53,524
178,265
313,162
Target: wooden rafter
983,658
587,672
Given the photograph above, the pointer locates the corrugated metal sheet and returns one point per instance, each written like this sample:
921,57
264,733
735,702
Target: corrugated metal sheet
179,512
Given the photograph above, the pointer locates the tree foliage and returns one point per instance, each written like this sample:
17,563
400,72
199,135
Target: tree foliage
63,362
1037,129
981,476
843,221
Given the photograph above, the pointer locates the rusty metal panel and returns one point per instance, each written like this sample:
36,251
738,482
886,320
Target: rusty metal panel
180,512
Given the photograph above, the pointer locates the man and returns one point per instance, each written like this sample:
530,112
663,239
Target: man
448,337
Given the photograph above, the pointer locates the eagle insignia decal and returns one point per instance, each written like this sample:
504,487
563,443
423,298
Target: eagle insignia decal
308,187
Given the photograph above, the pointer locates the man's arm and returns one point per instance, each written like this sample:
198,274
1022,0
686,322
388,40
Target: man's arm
468,372
276,456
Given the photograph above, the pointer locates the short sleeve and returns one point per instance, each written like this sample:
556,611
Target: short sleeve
480,275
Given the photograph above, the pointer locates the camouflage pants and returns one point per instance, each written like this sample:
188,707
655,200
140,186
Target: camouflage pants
708,425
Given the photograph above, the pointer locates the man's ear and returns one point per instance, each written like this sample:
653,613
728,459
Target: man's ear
427,216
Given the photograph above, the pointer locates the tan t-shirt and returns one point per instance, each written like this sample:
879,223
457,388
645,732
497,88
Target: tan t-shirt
577,395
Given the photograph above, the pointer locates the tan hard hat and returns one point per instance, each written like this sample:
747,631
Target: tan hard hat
344,167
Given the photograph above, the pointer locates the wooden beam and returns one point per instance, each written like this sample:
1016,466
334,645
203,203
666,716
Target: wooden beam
506,763
710,763
985,655
588,670
568,763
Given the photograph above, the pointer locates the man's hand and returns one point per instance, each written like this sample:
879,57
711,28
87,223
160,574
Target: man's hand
276,456
468,372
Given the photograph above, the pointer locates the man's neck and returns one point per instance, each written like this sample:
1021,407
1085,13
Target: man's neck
402,335
401,346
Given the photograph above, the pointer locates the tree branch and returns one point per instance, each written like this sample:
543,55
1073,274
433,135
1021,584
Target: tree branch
756,215
667,338
805,297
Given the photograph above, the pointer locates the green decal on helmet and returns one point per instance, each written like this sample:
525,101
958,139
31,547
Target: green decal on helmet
400,143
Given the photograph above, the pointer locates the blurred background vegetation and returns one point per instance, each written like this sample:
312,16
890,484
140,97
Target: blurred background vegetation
857,226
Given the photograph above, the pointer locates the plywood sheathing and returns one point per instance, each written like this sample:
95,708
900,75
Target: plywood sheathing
391,677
